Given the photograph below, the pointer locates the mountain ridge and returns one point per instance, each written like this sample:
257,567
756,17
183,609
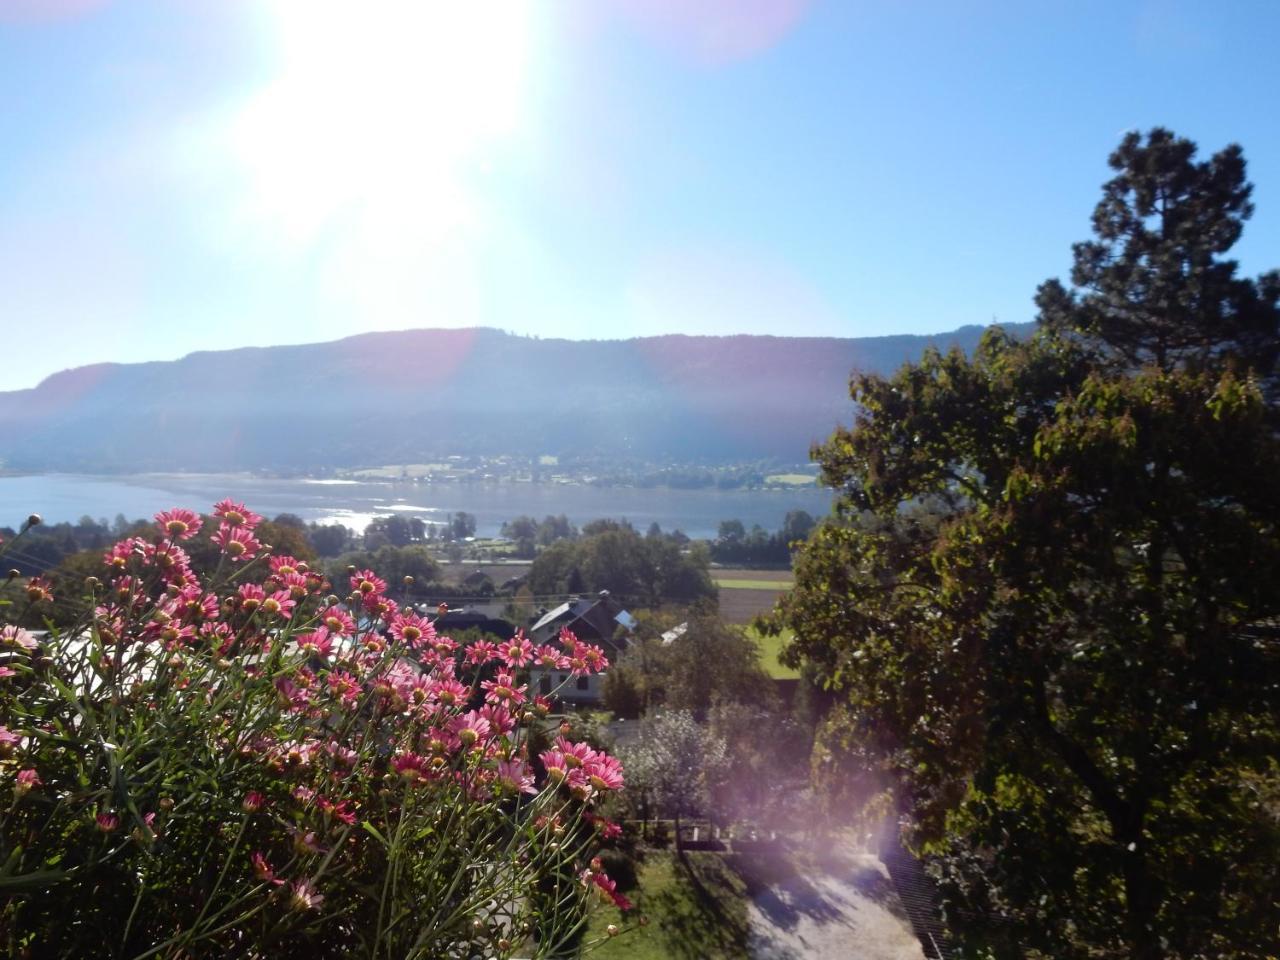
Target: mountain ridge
401,396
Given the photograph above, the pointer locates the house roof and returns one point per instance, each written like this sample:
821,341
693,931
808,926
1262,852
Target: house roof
601,613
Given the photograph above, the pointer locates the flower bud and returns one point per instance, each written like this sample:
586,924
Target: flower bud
34,520
14,573
408,581
611,929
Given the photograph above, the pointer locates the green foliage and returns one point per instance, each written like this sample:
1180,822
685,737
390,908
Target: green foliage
635,569
710,662
1046,596
392,563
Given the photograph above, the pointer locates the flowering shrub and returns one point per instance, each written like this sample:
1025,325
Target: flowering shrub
238,763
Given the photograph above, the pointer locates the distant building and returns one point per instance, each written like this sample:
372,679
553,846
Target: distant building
600,620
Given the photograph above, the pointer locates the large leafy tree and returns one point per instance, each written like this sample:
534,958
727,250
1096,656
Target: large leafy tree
1047,593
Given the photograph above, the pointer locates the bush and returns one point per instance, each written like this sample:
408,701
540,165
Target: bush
236,763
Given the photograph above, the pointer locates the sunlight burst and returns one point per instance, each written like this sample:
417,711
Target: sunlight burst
376,114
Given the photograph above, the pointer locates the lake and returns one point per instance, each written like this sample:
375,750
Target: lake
58,497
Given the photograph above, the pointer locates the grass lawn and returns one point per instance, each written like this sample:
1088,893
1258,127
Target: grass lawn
770,647
728,583
693,914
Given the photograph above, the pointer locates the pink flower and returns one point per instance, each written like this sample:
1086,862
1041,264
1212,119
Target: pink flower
8,740
286,565
262,870
593,656
17,638
554,763
7,672
318,643
235,514
251,596
122,552
604,772
412,768
303,896
39,589
305,842
179,523
237,543
514,775
411,629
340,811
344,686
551,658
296,584
368,583
481,652
517,651
27,780
469,728
338,622
503,689
107,822
575,754
279,604
253,802
450,692
609,889
193,604
499,717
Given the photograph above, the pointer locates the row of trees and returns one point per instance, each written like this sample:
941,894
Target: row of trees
645,571
734,544
1047,594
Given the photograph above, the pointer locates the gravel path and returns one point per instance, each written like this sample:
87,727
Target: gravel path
849,910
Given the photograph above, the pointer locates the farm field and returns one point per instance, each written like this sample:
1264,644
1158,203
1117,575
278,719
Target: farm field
744,594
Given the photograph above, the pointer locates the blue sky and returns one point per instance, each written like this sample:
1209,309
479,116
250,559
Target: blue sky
182,175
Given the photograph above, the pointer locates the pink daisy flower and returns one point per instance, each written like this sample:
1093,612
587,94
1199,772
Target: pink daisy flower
411,629
16,638
317,643
550,658
514,776
517,651
503,689
368,583
39,589
8,740
235,514
237,543
179,523
450,692
26,781
604,772
262,870
338,622
481,652
303,896
279,604
469,728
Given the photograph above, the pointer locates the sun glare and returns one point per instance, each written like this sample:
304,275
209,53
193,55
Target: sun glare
376,114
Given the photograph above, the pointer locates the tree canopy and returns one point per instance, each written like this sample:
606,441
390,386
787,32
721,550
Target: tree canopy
1046,594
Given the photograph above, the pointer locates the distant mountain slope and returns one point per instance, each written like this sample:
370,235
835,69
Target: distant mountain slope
402,397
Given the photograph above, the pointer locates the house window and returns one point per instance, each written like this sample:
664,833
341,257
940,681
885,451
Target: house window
544,684
584,683
561,678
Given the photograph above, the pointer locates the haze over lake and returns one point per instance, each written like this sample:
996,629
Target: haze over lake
58,497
